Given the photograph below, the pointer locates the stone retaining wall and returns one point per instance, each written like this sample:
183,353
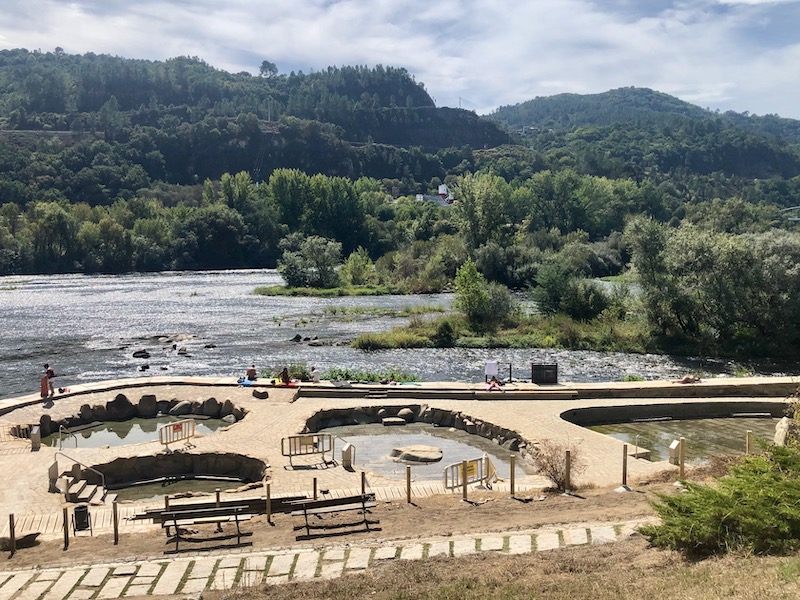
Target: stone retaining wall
604,415
148,406
506,438
124,471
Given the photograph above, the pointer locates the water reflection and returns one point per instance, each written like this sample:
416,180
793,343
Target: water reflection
132,431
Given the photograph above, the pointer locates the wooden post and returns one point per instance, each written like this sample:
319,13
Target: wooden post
567,470
513,460
464,479
624,464
748,442
315,488
269,504
166,502
408,484
217,497
12,535
682,455
115,518
66,528
363,483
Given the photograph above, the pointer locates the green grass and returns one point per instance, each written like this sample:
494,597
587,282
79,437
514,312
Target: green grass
390,340
535,331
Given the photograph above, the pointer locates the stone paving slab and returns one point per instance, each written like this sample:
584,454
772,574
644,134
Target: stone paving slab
223,572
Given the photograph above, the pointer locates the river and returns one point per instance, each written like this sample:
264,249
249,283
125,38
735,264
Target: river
89,326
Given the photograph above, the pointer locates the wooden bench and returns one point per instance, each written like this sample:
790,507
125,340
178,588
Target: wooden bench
183,518
310,508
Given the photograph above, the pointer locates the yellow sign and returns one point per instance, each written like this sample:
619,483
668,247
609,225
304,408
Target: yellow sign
472,469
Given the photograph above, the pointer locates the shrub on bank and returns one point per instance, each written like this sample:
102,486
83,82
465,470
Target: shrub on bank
339,374
754,509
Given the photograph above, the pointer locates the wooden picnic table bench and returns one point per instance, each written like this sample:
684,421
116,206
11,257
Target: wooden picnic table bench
310,508
182,518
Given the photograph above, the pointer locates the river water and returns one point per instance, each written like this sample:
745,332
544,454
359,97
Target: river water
89,326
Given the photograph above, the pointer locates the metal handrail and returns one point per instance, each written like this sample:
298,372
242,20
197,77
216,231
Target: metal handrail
92,469
63,429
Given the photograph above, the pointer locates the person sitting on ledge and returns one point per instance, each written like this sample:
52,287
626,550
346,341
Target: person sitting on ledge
493,385
251,373
285,378
687,379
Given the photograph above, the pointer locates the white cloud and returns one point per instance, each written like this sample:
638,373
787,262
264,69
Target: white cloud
727,54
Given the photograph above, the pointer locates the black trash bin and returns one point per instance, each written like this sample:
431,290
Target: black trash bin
81,519
544,374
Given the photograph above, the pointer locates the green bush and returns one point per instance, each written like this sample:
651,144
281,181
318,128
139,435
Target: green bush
340,374
756,508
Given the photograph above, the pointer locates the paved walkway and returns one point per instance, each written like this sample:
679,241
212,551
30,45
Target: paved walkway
240,568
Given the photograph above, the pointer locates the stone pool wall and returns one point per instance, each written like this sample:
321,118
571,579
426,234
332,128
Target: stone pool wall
506,438
605,415
129,470
148,406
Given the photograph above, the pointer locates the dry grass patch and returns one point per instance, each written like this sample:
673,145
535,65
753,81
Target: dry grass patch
626,570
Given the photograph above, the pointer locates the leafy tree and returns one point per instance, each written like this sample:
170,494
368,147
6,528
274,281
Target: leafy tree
560,290
268,69
358,269
484,305
310,262
472,294
482,210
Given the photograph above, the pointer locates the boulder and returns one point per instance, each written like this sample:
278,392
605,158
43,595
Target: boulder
227,408
141,354
417,453
211,408
260,394
406,414
782,431
85,413
120,409
100,412
229,419
238,413
148,406
181,408
46,425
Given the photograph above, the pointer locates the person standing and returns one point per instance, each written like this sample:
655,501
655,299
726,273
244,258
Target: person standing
49,374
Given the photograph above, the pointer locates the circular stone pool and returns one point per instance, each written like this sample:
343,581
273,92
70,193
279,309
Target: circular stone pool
374,444
122,433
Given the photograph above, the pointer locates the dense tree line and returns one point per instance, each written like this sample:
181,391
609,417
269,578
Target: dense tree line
112,165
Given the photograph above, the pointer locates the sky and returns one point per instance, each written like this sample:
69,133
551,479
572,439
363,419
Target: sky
740,55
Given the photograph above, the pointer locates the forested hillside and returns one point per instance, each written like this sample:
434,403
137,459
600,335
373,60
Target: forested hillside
114,165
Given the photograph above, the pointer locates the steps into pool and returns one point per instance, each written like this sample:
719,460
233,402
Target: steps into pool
82,492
